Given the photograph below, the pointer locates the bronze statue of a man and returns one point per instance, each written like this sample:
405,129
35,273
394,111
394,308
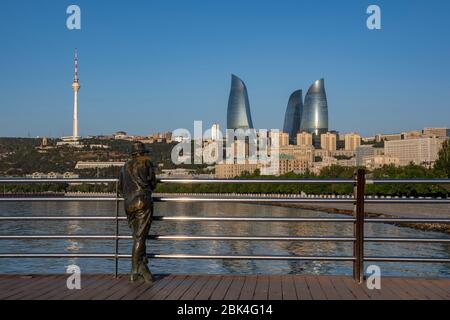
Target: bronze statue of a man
137,181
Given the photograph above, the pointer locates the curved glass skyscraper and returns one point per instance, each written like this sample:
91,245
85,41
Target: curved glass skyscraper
293,115
238,113
315,112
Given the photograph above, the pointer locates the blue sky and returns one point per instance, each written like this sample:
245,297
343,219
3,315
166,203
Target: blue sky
149,66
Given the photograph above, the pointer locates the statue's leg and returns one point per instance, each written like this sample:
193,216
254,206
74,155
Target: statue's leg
145,221
136,255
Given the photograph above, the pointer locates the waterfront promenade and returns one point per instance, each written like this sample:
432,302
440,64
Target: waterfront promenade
221,287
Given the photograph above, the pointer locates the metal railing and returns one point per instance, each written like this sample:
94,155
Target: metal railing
358,220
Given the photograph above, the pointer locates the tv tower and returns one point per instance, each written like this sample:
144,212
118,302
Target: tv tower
75,87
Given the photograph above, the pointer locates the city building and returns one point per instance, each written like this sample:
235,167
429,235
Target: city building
422,151
378,161
328,141
98,164
238,113
305,153
342,153
315,112
436,132
53,175
286,165
330,161
292,117
304,139
120,135
365,152
352,141
215,132
229,171
412,134
388,137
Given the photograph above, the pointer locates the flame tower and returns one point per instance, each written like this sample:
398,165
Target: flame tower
75,88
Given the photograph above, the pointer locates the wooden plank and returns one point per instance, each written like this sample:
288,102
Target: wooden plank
88,284
140,289
235,288
355,288
411,290
93,291
54,284
420,286
262,288
155,288
110,286
209,288
197,286
314,288
126,288
328,288
181,289
399,293
441,286
248,290
275,288
30,286
342,290
221,290
288,287
15,285
302,288
167,290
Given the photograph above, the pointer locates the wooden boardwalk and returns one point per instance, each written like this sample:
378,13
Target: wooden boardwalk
216,287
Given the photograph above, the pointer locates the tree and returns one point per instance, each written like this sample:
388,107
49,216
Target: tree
443,162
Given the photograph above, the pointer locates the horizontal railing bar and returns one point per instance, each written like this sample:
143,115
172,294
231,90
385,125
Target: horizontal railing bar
56,180
178,238
408,201
250,238
252,199
407,259
235,199
231,219
223,257
414,181
408,240
270,181
181,218
254,219
56,236
250,257
193,181
57,199
406,220
64,218
64,255
230,238
177,256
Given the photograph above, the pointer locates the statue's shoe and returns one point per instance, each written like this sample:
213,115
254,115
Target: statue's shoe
136,278
145,273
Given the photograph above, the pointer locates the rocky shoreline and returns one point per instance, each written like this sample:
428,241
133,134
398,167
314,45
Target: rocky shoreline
437,227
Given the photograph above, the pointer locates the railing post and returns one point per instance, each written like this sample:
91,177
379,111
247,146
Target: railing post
358,248
116,260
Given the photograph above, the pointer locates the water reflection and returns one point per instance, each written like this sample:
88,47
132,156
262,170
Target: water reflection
207,247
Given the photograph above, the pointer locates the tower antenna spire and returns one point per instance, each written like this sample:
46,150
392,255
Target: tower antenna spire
76,66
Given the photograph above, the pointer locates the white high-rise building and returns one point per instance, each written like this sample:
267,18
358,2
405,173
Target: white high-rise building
215,132
422,151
